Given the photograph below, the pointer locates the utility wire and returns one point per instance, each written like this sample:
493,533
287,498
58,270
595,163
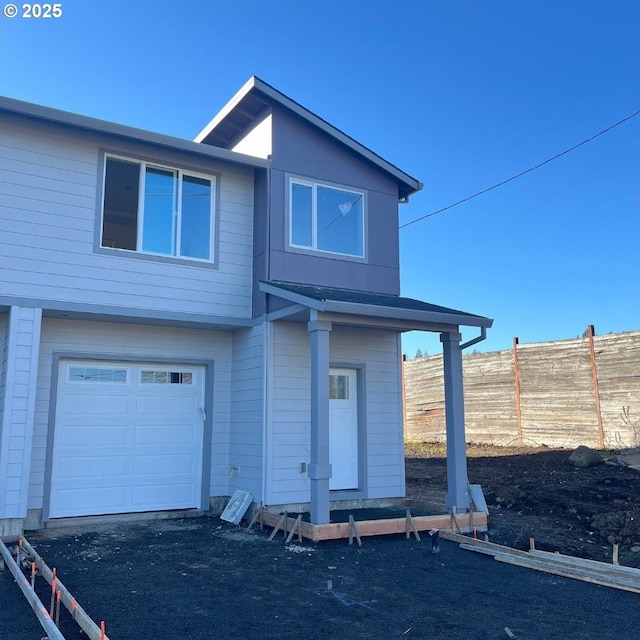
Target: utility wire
522,173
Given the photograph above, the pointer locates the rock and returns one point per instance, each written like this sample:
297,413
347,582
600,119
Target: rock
584,457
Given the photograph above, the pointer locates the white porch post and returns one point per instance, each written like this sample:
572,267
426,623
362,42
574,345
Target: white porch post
16,426
457,480
319,470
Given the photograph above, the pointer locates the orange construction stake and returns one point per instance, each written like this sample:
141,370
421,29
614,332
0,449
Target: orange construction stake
33,575
102,630
73,608
58,594
53,595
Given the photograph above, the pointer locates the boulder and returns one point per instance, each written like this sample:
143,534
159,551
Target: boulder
584,457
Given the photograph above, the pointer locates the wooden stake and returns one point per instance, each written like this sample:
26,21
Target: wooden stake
256,515
102,633
353,531
33,574
282,520
532,544
615,554
455,526
296,525
411,526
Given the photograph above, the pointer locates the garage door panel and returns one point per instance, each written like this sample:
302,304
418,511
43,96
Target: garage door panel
97,403
166,406
97,500
122,446
165,435
85,468
91,437
169,496
165,466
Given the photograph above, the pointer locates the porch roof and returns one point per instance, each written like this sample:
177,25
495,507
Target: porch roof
347,306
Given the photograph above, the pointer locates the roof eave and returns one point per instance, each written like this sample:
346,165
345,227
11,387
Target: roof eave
378,311
95,125
407,184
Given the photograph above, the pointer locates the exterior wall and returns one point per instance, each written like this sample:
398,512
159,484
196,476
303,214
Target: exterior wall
51,181
247,403
301,151
377,352
19,367
113,340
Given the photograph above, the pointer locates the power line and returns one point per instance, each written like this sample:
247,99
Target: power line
522,173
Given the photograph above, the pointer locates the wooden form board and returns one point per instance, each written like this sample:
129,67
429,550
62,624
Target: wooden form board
609,575
340,530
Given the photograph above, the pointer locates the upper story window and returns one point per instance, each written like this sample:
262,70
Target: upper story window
158,210
326,218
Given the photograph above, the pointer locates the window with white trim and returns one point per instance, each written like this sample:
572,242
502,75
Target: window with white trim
326,218
156,209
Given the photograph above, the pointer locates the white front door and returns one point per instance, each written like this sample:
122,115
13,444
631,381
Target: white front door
128,437
343,428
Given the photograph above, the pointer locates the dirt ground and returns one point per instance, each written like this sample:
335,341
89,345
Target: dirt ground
201,578
536,493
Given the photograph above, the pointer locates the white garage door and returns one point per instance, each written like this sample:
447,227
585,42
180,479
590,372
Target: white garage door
128,438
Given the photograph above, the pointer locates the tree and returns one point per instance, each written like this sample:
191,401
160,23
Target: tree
419,354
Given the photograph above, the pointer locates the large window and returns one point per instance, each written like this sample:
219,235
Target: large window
326,218
158,210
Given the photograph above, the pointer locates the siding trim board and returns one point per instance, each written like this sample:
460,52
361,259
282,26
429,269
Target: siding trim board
20,355
94,312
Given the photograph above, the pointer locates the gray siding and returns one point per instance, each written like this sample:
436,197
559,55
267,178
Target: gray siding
299,149
50,181
144,343
378,353
246,437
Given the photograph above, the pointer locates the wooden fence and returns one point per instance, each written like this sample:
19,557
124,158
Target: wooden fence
561,393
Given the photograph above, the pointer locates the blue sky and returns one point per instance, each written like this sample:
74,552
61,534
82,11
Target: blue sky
459,95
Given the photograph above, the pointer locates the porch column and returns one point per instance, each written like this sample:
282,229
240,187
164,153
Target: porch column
319,470
457,480
21,349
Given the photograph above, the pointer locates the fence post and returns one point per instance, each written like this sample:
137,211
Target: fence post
517,379
596,390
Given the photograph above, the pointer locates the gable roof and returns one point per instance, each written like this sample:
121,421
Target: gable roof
48,114
255,98
382,305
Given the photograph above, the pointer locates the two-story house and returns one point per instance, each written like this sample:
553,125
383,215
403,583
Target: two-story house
180,319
